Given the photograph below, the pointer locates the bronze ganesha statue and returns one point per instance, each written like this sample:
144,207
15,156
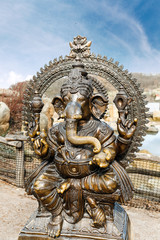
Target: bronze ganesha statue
80,156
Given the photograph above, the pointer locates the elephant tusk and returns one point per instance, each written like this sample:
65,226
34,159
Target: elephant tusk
78,116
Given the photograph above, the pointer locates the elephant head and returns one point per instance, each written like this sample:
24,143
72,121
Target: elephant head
78,104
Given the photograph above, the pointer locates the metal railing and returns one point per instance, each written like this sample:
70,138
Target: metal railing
17,161
12,159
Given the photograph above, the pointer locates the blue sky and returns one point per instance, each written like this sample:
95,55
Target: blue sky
33,32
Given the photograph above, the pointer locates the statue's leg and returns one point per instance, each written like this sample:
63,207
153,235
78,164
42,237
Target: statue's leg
96,212
99,183
45,188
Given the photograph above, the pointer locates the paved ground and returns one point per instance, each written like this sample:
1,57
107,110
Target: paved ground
16,207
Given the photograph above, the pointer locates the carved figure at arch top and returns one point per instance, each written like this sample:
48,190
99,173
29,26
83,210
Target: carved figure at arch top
82,170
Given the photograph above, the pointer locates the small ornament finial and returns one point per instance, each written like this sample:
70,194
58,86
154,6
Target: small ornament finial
80,47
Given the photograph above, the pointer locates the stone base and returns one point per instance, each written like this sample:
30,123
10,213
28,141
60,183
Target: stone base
116,229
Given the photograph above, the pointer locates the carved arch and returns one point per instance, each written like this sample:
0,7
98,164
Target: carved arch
98,66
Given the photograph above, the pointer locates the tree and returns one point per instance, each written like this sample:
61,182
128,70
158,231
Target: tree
15,103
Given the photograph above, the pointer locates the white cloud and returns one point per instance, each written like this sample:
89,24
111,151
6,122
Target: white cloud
14,77
28,77
11,78
127,35
32,36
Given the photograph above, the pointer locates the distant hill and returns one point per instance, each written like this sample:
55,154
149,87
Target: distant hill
148,81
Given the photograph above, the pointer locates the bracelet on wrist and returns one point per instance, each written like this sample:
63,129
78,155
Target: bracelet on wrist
124,141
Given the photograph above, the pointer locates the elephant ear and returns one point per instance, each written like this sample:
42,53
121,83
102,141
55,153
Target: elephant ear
58,105
99,105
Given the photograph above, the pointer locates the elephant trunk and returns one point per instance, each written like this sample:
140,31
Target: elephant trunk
71,133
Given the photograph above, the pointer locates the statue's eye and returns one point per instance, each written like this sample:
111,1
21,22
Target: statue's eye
82,99
66,99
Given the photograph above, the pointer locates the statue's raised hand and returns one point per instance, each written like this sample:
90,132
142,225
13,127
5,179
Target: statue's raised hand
40,144
126,128
33,128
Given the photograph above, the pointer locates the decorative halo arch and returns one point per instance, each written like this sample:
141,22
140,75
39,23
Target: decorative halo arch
97,66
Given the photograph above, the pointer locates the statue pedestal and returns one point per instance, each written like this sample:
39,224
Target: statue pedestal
117,229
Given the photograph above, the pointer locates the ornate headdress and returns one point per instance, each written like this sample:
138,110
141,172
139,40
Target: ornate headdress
77,82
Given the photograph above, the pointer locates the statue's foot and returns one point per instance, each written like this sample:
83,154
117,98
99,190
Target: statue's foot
99,218
96,213
54,227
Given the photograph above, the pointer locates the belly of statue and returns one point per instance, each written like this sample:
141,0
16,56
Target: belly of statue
74,164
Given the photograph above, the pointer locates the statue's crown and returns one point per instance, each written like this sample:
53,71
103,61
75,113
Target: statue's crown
77,82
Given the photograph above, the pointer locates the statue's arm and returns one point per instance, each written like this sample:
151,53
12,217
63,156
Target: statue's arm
40,144
45,144
105,156
126,130
111,151
125,126
109,147
113,146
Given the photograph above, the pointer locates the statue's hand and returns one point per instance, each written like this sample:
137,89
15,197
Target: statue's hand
102,159
64,186
33,128
126,128
40,144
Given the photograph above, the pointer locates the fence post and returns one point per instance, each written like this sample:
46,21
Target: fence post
20,164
